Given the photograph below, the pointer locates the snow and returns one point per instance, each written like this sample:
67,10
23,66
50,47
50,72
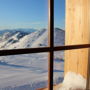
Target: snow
34,39
41,41
29,71
73,81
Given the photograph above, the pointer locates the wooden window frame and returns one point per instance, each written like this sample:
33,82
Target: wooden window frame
51,48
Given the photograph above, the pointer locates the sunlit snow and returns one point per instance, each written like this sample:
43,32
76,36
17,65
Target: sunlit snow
30,71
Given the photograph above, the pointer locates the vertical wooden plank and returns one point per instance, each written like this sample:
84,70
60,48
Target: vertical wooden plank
88,67
77,32
88,72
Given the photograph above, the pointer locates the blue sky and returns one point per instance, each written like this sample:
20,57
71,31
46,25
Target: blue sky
29,14
59,13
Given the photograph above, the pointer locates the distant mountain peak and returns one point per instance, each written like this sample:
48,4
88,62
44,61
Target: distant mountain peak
38,38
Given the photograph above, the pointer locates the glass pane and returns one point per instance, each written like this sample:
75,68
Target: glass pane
72,65
58,68
70,23
59,22
24,72
23,23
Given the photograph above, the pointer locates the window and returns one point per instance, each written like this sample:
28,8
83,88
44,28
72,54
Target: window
49,49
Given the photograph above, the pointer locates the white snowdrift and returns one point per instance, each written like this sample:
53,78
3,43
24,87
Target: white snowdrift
73,81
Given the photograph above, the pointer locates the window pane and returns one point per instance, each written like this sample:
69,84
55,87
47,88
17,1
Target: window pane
72,65
59,22
24,72
58,68
23,24
71,23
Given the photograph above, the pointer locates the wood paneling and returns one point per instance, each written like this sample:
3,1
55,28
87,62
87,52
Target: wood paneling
77,32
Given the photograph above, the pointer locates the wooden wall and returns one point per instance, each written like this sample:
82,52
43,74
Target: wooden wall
77,32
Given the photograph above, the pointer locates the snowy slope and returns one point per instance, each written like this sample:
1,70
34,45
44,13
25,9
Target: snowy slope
9,38
35,39
27,71
43,40
30,71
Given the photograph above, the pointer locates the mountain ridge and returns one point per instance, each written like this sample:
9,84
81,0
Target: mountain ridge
38,38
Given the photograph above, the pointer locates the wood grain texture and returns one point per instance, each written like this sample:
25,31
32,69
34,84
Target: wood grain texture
77,32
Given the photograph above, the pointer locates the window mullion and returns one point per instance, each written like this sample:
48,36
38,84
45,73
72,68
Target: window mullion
51,43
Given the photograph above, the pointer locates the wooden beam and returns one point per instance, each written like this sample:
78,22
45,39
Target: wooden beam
77,32
88,70
51,43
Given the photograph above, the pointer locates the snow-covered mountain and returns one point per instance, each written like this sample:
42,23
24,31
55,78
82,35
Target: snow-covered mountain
37,38
26,30
29,71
